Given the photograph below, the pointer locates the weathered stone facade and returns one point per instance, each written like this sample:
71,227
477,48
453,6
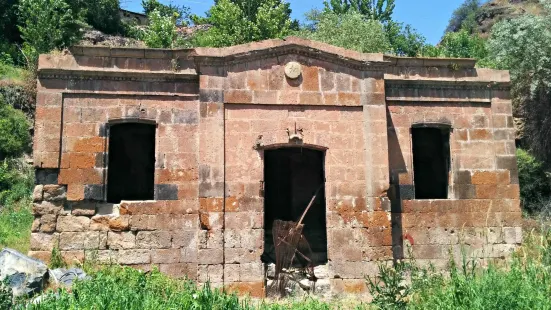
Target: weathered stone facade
217,111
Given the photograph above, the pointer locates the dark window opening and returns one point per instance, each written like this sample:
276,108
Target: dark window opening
292,176
131,162
431,162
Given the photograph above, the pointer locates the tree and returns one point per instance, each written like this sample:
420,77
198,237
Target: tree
380,10
161,32
48,24
103,15
167,10
349,30
232,25
8,21
523,46
404,40
464,17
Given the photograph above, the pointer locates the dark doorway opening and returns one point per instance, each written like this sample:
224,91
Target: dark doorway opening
431,162
131,162
292,176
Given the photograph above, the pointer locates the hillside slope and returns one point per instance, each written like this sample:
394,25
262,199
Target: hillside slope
496,10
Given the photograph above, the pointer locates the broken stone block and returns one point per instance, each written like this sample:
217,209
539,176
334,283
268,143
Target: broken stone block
25,275
66,277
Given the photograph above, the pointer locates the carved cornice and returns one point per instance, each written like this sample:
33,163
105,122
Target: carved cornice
115,75
443,90
447,83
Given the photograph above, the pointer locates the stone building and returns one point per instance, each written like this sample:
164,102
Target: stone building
184,158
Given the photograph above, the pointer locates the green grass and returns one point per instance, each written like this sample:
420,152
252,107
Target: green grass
11,74
116,287
15,226
16,182
522,283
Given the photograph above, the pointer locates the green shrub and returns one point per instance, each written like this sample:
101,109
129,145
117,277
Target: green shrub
14,131
388,288
19,97
48,24
534,183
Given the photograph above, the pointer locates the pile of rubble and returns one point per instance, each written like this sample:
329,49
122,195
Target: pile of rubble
298,283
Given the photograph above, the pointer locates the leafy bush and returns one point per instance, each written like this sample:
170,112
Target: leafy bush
14,131
162,31
534,183
460,44
20,97
350,30
48,24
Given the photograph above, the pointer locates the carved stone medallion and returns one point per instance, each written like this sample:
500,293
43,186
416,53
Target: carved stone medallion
293,70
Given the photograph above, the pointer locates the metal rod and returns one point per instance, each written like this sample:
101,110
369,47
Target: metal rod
310,204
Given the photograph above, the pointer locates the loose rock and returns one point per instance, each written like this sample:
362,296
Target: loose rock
26,276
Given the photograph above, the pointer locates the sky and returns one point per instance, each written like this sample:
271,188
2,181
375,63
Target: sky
429,17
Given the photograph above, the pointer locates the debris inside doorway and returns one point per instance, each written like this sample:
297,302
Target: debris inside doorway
290,246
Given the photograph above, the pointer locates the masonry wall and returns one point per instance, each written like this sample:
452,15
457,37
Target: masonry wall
218,110
481,217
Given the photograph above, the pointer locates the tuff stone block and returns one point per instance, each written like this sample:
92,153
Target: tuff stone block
166,192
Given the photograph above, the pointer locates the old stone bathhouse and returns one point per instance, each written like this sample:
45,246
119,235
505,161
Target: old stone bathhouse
184,158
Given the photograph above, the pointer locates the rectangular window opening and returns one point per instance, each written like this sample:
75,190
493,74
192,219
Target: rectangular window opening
131,161
431,162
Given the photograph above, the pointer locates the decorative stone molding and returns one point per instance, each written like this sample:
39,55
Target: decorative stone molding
115,75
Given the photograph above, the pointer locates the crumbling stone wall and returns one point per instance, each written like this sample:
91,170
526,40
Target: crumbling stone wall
218,110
